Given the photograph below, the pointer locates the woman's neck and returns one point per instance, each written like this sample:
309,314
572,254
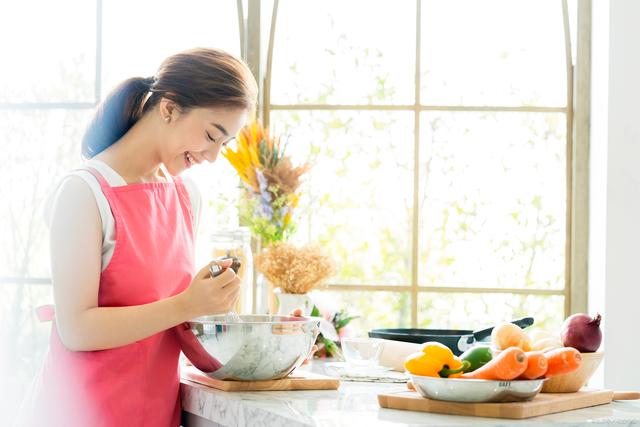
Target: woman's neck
135,156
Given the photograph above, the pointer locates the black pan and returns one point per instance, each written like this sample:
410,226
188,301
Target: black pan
457,340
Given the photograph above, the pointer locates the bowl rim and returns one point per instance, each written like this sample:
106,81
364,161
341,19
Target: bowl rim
276,319
473,380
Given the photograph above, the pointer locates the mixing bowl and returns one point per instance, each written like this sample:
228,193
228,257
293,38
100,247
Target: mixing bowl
259,347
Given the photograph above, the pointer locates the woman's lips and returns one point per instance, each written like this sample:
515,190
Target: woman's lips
188,160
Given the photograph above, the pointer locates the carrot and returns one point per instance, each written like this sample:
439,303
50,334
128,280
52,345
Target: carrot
562,361
507,365
537,365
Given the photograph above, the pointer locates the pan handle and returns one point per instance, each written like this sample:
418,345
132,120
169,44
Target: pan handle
484,333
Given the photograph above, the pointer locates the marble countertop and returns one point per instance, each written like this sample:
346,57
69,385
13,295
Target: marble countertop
355,403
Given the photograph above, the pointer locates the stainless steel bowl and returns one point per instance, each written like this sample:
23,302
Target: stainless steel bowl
260,347
477,391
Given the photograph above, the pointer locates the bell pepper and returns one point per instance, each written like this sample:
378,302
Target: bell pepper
435,360
477,356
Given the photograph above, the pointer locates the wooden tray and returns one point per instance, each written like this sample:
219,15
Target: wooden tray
542,404
298,380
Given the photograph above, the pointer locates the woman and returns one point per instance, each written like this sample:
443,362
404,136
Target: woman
122,244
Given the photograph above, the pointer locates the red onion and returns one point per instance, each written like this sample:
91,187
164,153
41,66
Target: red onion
582,332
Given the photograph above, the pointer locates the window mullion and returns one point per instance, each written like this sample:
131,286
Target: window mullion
98,76
415,240
578,119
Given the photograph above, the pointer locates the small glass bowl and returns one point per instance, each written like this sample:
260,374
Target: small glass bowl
362,352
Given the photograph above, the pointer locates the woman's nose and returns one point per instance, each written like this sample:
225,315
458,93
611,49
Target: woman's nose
211,154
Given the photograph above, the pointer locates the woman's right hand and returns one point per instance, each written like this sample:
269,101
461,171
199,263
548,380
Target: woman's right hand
208,295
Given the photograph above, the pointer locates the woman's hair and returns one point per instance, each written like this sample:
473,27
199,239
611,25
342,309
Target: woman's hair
196,78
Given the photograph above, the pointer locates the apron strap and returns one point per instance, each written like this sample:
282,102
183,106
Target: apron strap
107,190
103,182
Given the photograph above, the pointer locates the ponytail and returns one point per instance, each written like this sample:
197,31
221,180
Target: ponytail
115,115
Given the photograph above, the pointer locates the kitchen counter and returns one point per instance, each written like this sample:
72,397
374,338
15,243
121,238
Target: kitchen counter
355,403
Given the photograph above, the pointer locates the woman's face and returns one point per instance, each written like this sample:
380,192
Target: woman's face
198,135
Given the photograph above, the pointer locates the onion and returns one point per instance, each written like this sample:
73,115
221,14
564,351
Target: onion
582,332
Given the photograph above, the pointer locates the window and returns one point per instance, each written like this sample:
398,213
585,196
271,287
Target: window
439,133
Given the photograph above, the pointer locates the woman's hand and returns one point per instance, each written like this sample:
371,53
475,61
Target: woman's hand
298,313
212,295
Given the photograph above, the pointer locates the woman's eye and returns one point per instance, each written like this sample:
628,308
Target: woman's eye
210,139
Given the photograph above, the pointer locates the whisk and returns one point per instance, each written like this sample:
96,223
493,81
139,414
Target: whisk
216,269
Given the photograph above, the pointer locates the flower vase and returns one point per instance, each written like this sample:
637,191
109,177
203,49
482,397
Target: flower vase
286,303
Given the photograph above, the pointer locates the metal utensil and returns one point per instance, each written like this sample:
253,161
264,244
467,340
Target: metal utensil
477,391
261,347
216,269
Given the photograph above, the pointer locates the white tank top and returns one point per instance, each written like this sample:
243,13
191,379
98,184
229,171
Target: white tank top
115,180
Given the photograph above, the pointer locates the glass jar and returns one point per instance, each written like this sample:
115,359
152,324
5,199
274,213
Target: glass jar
237,242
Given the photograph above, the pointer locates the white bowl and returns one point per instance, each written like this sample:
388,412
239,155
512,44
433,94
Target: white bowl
476,391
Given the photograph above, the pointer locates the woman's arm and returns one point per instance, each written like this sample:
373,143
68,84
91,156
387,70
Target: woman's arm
76,253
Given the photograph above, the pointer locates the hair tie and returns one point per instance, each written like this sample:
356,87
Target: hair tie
149,81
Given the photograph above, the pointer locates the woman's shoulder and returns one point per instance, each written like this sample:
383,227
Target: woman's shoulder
75,190
73,194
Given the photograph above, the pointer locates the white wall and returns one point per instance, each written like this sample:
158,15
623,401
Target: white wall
598,165
615,185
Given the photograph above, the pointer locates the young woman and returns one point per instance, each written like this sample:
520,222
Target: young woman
122,244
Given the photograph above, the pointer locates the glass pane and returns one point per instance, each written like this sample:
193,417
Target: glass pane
478,311
39,146
374,309
24,342
49,51
344,52
357,198
495,53
220,190
493,198
139,35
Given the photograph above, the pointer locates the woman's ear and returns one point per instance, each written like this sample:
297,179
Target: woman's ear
169,111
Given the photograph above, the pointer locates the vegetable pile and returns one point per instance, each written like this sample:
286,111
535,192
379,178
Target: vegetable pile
513,353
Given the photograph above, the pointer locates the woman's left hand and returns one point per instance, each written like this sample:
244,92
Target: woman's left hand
298,313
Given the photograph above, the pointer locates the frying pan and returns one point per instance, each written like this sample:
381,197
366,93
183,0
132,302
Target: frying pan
457,340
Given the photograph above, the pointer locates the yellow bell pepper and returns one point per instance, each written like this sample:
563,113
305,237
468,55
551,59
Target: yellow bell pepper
435,360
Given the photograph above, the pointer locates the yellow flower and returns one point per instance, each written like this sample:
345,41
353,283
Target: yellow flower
260,155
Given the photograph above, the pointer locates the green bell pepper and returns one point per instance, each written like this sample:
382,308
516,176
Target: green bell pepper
477,356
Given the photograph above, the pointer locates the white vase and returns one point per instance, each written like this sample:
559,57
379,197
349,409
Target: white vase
289,302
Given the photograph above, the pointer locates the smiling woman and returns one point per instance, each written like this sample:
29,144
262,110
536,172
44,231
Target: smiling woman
122,244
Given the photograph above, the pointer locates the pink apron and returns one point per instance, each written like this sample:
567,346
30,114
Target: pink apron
136,384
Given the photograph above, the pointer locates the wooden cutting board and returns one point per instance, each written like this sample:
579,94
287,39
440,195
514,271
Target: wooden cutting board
298,380
542,404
